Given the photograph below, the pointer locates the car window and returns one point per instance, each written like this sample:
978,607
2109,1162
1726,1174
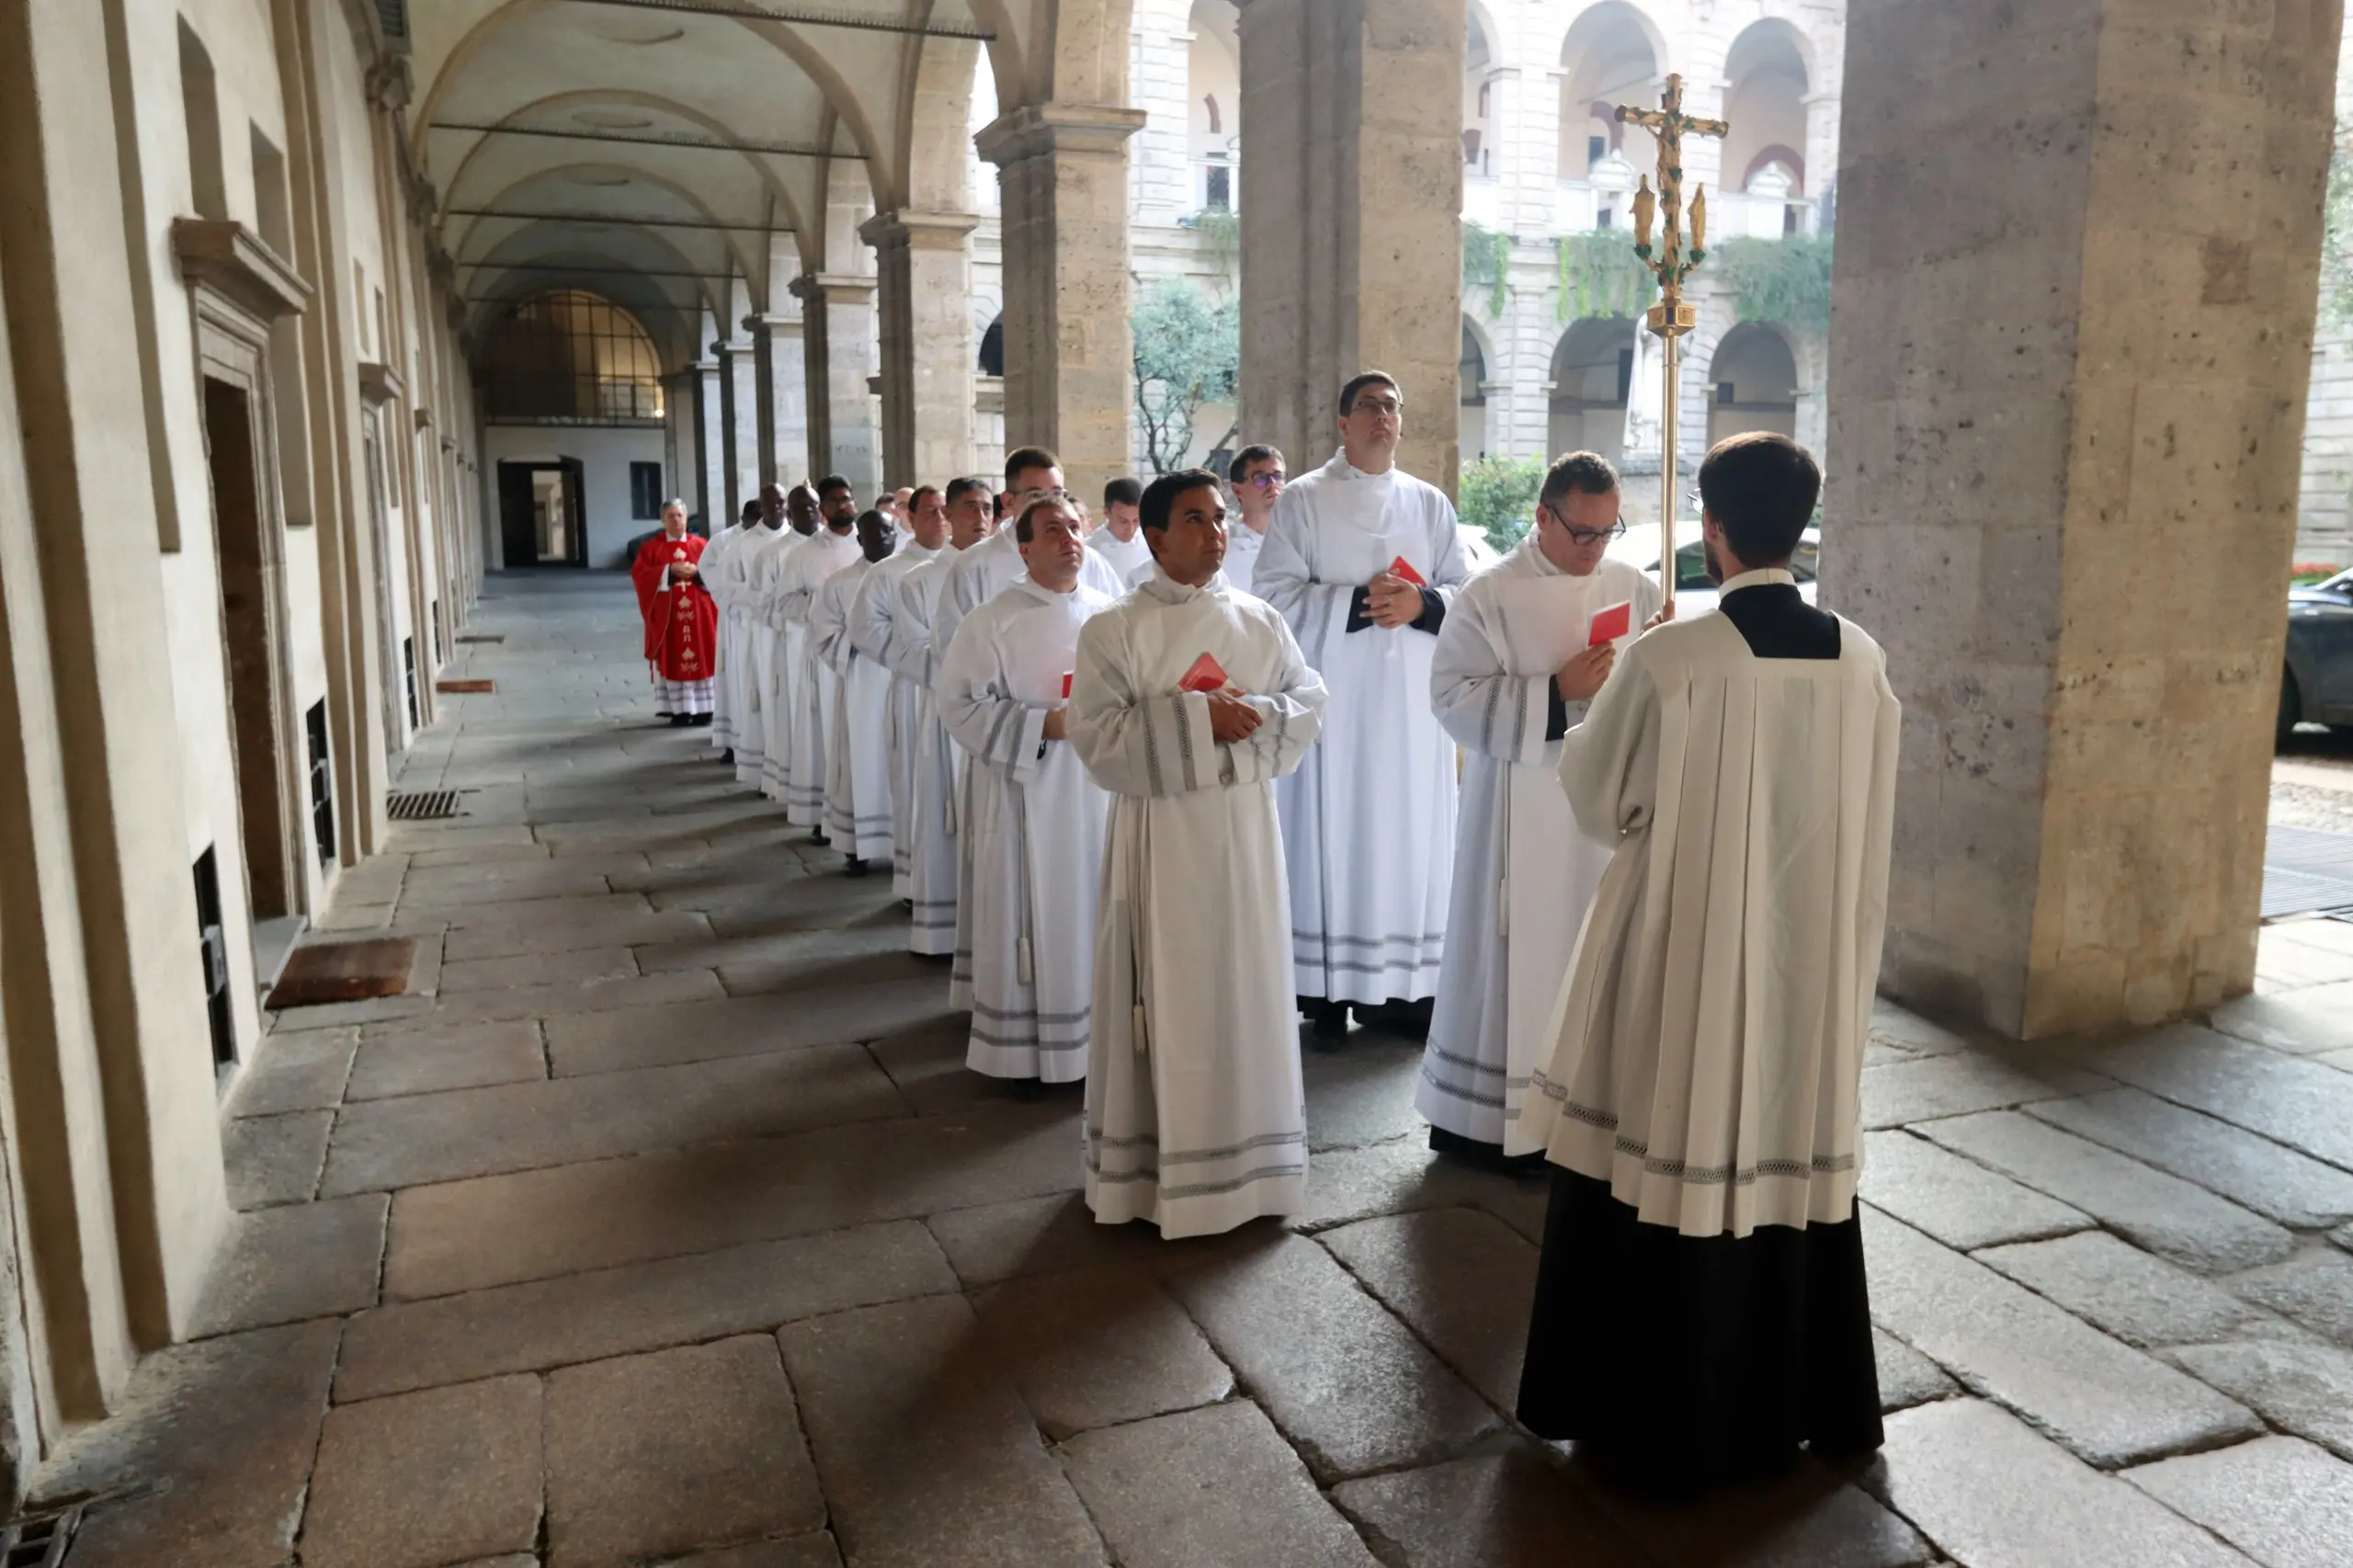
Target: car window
1691,568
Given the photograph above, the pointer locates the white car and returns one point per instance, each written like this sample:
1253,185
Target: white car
1638,547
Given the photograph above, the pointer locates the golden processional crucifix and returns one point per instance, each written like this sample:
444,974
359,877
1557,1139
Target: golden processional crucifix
1670,318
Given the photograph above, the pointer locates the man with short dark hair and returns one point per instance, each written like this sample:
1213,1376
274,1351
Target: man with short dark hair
871,621
1033,838
1517,661
798,779
750,576
1699,1306
914,655
717,581
1119,540
1257,477
1190,700
1362,560
1032,475
858,742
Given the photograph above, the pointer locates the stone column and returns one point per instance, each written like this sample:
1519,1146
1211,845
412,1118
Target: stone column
763,399
746,428
837,331
925,284
1069,352
711,450
2066,484
730,467
1351,219
786,380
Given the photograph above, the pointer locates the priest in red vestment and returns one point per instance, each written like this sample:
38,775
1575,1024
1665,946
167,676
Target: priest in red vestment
681,621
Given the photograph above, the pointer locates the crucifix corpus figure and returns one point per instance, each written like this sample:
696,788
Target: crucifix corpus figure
1670,318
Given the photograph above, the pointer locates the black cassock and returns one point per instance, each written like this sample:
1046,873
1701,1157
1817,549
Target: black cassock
1685,1361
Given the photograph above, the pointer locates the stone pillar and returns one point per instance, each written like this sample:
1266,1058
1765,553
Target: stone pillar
925,283
837,331
1351,219
786,380
763,399
730,467
745,428
2066,484
1069,351
710,449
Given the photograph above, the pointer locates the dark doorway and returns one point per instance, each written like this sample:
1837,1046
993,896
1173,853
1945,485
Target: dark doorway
248,639
544,513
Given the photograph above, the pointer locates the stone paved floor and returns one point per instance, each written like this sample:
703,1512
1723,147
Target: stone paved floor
662,1225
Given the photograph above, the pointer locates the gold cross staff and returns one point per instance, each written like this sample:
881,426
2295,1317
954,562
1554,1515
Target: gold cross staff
1670,318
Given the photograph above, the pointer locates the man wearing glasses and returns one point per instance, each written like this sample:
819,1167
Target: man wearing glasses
1362,560
1256,475
1515,664
979,574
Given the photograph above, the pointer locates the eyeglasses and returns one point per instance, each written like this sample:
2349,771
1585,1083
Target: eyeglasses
1268,480
1387,406
1583,536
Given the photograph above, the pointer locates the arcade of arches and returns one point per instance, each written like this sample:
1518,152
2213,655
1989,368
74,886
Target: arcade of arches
300,296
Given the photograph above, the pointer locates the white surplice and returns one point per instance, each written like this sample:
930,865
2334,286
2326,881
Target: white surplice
712,573
1368,817
1243,543
1195,1117
798,779
858,780
1033,843
1523,874
1126,557
978,575
931,805
1709,1037
753,574
871,619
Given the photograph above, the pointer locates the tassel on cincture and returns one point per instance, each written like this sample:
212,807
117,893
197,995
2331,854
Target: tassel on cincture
1022,966
1143,1042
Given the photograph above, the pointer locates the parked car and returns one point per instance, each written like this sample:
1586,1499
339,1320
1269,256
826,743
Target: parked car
1693,592
2317,688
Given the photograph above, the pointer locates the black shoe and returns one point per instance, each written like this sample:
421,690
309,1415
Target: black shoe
663,713
699,721
853,867
1026,1089
680,721
817,836
727,757
1327,1022
908,904
1409,1019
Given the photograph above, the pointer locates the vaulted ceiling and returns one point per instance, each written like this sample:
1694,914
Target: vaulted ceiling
651,150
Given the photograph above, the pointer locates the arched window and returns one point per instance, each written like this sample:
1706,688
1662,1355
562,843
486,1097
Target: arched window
1217,124
992,348
569,355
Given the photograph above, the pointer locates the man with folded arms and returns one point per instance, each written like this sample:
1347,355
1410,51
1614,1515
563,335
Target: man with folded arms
798,777
1517,660
858,747
1033,839
1190,700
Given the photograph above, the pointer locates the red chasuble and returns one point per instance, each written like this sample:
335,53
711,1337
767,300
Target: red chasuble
681,622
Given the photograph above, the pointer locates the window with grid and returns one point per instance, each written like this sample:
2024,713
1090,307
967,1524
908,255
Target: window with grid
567,354
644,490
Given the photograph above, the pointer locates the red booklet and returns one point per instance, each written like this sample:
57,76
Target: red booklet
1066,679
1401,567
1611,624
1205,675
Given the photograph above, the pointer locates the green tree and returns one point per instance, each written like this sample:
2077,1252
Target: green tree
1188,352
1498,497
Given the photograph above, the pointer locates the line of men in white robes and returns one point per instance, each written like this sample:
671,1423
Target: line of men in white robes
911,698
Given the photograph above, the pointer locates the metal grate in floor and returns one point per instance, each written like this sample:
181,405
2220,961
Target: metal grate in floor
38,1540
423,806
482,637
2305,872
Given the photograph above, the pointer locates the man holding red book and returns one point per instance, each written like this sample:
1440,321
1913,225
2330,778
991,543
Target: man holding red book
1362,560
681,622
1190,700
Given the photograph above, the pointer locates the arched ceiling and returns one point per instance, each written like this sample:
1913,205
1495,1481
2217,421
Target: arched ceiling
652,150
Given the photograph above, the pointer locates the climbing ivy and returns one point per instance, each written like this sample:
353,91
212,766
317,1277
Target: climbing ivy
1221,231
1601,275
1785,280
1486,262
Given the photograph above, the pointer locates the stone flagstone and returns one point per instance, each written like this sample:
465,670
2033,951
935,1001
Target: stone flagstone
2285,1503
1506,1510
2142,1299
1957,1201
1460,1280
424,1479
2304,1387
2315,1288
2109,1402
2268,1177
1098,1348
